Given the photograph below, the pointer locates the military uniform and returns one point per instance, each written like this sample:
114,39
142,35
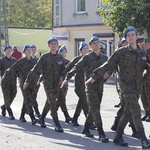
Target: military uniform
8,85
52,67
145,96
79,90
131,64
94,92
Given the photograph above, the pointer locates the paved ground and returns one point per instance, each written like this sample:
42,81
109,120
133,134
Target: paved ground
15,135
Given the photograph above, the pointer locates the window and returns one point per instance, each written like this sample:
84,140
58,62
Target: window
77,44
57,1
57,10
80,6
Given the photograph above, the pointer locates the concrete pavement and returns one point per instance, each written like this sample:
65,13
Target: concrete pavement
15,135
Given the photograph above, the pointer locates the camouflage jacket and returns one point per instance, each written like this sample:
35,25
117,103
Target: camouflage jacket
130,64
5,63
88,64
79,76
22,68
52,68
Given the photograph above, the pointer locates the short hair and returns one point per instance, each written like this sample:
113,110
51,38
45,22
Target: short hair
147,40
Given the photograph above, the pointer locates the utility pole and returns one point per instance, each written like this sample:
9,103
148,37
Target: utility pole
5,22
0,24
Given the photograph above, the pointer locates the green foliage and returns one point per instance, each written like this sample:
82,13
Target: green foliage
123,13
29,13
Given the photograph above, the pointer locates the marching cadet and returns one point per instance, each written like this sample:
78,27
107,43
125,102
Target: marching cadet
63,91
52,67
79,85
36,86
131,62
22,67
145,96
88,64
9,88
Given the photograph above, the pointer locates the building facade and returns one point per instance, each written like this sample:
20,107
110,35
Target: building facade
75,21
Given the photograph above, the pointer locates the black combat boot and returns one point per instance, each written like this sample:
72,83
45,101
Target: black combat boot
33,119
92,126
148,118
145,143
67,117
75,120
58,127
3,110
22,118
102,136
11,116
145,116
41,121
118,139
86,131
37,113
115,125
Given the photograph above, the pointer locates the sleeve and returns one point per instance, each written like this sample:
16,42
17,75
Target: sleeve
108,66
35,71
78,67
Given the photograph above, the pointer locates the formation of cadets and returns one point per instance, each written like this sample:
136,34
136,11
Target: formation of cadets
91,70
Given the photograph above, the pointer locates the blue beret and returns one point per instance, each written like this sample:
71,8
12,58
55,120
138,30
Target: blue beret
82,44
62,48
33,46
7,47
94,38
52,39
25,47
130,28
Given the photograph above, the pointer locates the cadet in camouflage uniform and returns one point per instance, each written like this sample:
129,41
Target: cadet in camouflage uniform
63,91
36,86
94,93
52,67
145,96
8,84
79,85
131,62
22,67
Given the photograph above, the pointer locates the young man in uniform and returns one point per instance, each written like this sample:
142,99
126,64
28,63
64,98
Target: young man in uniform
36,86
21,68
145,96
88,64
79,85
52,67
8,85
131,62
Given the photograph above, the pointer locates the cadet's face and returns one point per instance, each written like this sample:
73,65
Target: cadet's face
53,46
124,43
8,52
95,45
147,46
34,50
84,50
28,52
64,53
131,37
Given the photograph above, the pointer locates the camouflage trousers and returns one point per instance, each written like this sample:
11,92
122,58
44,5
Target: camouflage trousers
145,96
27,99
34,95
82,103
94,101
9,93
131,110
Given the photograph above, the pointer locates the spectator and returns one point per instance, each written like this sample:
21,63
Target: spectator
16,54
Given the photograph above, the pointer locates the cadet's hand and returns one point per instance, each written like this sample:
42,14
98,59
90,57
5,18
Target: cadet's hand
25,85
90,80
63,83
148,64
106,76
3,77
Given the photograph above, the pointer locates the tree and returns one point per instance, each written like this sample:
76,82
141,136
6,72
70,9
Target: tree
29,13
119,14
